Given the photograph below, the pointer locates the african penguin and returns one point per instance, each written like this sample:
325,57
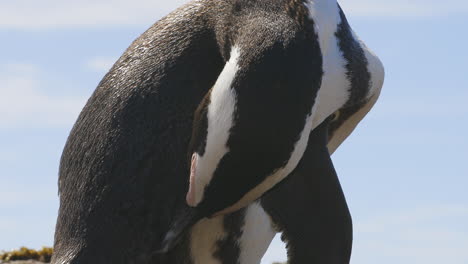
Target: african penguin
361,72
209,109
243,143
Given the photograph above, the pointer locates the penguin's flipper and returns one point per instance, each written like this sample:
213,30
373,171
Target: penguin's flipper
182,223
310,208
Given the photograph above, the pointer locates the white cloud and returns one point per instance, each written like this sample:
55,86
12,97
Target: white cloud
404,8
100,64
26,229
427,234
412,216
52,14
24,104
428,106
18,197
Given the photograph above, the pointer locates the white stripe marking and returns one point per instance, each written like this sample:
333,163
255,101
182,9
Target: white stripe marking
220,120
334,90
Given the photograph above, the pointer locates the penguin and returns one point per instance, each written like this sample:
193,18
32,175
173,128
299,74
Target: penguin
207,111
247,240
346,89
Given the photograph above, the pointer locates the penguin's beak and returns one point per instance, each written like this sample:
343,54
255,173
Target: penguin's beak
183,222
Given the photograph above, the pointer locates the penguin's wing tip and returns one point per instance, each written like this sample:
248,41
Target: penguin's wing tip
174,235
170,240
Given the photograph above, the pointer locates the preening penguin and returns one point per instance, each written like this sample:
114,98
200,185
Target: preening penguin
207,111
252,128
351,83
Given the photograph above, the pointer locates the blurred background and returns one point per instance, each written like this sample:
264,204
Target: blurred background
404,170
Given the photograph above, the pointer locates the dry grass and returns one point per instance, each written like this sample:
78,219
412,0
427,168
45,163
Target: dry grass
43,255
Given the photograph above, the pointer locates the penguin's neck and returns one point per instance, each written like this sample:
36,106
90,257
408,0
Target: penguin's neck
326,17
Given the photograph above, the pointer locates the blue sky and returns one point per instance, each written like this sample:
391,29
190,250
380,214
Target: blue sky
404,170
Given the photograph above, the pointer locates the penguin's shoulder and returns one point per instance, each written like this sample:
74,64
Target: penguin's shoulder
259,23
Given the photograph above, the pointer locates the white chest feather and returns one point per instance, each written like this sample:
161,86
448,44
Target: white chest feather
334,91
257,235
203,240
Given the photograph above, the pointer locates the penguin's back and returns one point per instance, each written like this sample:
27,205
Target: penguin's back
124,170
124,166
